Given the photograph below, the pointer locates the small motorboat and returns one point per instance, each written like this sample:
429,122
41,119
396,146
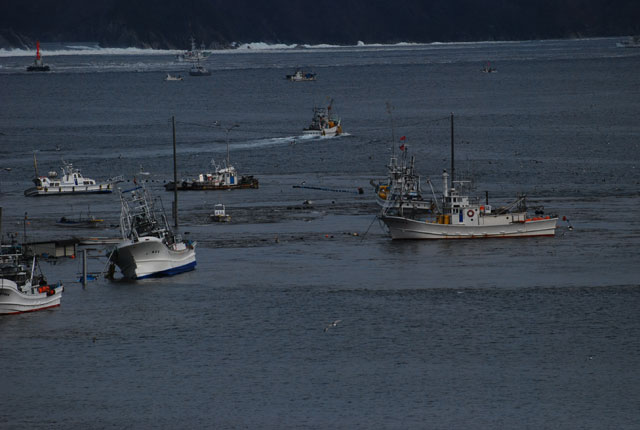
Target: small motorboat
198,70
170,78
38,65
89,222
300,76
21,288
219,214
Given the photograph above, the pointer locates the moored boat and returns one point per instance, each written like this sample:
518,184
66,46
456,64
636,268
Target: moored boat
171,77
70,182
456,215
404,184
21,288
324,123
149,248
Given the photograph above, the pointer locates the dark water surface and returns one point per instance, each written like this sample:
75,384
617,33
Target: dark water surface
531,333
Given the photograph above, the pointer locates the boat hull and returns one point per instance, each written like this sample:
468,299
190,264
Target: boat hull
150,257
13,301
405,228
327,132
64,190
205,186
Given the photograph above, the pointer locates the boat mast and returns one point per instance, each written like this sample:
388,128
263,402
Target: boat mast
35,164
452,156
393,131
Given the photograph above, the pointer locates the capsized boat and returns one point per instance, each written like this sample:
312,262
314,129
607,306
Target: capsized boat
38,65
149,248
324,123
458,216
22,288
220,214
70,182
300,76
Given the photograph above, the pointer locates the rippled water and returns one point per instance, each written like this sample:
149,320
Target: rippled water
531,333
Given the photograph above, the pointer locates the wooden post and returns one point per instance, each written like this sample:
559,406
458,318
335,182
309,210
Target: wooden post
175,176
84,267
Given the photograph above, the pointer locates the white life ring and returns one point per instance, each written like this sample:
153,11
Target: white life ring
470,213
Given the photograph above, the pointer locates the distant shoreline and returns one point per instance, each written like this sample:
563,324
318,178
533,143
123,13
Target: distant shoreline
51,49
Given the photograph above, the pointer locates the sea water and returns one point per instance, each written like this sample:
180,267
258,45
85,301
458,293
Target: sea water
528,333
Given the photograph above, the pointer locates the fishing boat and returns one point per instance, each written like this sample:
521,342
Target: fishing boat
456,215
38,65
404,184
324,123
149,248
70,182
222,178
194,54
22,287
220,214
170,78
300,76
199,70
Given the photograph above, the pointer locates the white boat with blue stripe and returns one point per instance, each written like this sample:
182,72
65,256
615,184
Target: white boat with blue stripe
149,247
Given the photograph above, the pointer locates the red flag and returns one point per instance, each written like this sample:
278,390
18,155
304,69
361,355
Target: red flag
402,147
403,138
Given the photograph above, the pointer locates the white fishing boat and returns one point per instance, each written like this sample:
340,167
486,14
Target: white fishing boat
458,216
324,123
300,76
194,54
21,288
404,183
149,248
171,78
70,182
220,214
